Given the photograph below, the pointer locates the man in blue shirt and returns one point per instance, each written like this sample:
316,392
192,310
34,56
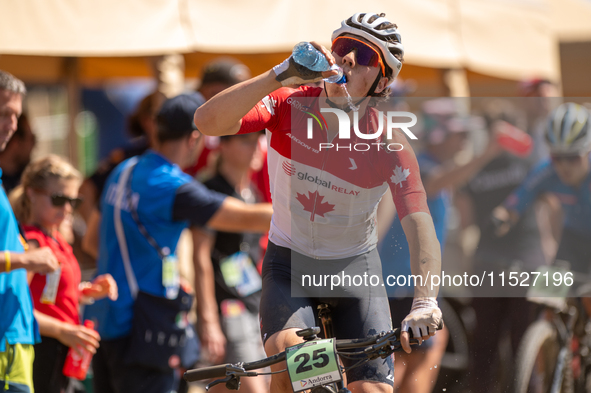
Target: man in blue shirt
18,328
166,201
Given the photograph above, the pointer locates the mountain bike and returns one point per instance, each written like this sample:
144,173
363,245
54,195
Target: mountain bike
312,365
554,355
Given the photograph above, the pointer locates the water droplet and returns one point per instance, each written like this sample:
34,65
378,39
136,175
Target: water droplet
444,389
435,366
349,99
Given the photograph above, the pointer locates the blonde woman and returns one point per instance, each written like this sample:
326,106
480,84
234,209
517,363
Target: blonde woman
48,194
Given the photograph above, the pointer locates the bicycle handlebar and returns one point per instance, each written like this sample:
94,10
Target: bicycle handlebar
220,370
205,373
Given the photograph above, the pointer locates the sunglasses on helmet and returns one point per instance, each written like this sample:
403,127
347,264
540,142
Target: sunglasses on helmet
365,54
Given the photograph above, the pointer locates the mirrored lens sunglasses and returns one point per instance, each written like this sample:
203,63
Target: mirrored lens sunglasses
365,54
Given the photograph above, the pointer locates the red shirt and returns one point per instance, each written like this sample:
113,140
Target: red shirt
66,303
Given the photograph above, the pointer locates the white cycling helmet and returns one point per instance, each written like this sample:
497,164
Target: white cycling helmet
380,32
568,129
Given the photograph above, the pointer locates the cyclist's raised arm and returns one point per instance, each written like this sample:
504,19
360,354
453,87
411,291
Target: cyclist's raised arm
223,113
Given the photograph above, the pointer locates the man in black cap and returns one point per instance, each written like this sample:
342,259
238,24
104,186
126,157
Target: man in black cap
220,74
166,201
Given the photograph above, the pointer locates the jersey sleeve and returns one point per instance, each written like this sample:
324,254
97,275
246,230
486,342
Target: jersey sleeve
195,203
536,182
401,172
269,112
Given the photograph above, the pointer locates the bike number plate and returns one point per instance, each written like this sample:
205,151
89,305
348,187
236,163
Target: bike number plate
546,288
312,364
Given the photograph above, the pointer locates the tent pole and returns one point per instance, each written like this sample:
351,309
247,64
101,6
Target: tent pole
169,71
455,82
73,90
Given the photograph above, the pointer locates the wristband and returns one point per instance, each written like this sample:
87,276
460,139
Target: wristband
7,260
423,302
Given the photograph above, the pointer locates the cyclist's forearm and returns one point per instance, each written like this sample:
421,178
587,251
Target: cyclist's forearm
425,251
222,114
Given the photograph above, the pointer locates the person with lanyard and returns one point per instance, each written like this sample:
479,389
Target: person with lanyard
47,195
18,328
325,201
233,256
159,201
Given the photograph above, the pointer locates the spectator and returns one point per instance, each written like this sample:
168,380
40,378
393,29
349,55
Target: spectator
142,126
539,99
18,328
17,154
47,195
166,201
216,76
237,282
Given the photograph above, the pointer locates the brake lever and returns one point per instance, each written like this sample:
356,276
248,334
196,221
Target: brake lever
233,374
229,380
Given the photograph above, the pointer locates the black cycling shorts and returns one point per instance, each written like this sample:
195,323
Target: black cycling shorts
353,316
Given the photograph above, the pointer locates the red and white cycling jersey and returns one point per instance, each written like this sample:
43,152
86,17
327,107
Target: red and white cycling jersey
325,200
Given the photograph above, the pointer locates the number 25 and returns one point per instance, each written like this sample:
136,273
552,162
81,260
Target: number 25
316,355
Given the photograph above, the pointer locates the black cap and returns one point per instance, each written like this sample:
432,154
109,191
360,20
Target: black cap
225,70
175,119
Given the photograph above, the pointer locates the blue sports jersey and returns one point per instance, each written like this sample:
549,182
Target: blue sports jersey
156,186
394,251
17,324
576,203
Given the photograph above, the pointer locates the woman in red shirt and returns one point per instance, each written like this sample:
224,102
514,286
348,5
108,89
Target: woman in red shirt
47,196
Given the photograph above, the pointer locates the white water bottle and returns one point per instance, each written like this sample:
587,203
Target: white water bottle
306,55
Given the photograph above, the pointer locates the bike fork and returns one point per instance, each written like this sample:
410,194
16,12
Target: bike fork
327,325
565,332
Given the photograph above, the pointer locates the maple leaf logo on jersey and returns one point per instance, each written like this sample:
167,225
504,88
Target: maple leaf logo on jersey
313,204
399,175
269,103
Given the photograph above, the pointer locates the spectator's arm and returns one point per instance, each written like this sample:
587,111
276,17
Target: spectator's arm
208,322
203,207
67,333
458,175
237,216
40,261
90,241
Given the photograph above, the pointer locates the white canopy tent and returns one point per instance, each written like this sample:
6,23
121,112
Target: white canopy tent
78,41
503,38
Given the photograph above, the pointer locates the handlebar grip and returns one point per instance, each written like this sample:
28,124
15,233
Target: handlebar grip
205,373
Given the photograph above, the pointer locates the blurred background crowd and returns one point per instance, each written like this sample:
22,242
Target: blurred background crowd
97,75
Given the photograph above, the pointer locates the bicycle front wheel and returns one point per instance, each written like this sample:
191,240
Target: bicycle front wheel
540,358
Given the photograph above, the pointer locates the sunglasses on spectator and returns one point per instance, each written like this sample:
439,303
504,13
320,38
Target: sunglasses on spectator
365,54
59,200
571,160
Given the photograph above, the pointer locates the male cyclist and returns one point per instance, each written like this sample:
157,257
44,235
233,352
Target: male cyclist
325,200
567,175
